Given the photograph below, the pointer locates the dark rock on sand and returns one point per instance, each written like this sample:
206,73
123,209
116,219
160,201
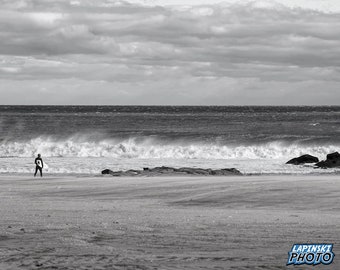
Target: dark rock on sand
226,172
303,159
169,171
107,171
332,160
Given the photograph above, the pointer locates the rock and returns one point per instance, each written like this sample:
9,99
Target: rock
332,160
162,169
172,171
303,159
107,171
333,156
131,172
231,171
194,171
116,173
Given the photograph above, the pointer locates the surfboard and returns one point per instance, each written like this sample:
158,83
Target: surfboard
39,163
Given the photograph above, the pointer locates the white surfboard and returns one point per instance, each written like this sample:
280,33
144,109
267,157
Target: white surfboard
39,163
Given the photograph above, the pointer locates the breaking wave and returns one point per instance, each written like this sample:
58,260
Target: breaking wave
153,148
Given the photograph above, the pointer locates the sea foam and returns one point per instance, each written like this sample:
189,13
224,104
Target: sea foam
133,148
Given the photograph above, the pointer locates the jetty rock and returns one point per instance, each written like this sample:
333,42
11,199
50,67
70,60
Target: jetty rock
332,160
303,159
169,171
107,171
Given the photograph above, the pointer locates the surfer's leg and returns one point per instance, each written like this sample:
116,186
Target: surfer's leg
40,169
36,170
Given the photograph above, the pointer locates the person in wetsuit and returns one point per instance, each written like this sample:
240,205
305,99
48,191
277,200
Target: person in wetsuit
39,165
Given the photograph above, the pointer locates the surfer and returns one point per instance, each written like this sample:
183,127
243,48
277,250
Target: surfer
38,165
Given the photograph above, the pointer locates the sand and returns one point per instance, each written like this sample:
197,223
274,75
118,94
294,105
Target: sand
237,222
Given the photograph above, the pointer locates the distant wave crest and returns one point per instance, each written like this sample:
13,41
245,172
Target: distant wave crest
153,148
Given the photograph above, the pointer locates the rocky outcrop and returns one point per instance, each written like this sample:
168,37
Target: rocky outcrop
303,159
332,160
169,171
107,171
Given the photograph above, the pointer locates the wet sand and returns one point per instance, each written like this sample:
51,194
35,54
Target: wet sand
236,222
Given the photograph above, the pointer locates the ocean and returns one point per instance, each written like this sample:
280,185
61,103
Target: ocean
84,140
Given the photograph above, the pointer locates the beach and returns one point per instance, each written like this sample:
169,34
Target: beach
236,222
170,135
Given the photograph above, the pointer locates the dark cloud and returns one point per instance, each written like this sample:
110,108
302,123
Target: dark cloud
232,50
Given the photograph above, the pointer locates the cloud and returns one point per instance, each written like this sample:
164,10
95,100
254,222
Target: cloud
260,49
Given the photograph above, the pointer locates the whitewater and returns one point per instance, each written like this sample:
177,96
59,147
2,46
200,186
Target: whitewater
78,156
82,140
134,148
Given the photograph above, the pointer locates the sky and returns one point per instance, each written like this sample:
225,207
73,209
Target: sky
159,52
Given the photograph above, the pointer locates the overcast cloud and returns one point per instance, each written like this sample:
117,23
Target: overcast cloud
141,52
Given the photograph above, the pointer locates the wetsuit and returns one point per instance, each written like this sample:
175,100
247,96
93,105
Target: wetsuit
38,168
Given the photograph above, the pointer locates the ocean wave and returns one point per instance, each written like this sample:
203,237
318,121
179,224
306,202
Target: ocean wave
153,148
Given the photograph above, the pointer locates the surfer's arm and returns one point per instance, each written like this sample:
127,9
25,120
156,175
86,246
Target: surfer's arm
42,164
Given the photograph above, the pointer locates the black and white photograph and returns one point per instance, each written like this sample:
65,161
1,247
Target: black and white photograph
169,134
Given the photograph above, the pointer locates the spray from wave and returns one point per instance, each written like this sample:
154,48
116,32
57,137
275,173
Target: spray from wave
151,148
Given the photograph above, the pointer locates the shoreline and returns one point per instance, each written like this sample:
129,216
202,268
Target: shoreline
48,175
165,222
